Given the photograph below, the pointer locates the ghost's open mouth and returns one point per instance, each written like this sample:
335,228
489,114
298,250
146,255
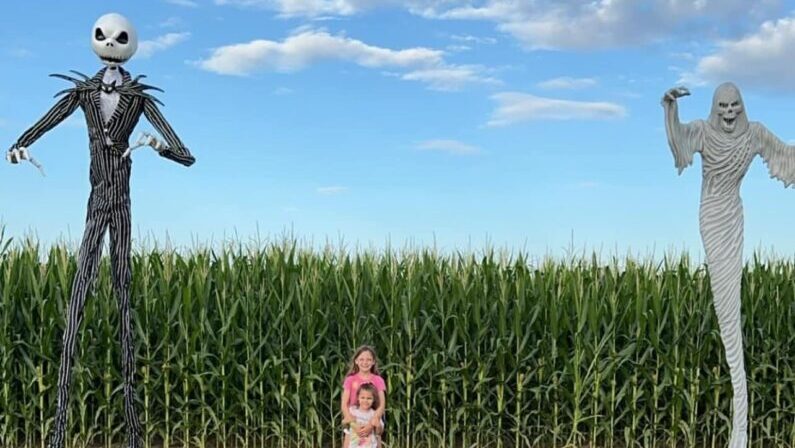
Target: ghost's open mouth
729,121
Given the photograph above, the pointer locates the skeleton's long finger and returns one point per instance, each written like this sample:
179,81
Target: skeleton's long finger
37,165
129,149
143,139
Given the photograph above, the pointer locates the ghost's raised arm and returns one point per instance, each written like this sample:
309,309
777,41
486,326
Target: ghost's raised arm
778,156
176,150
685,139
58,113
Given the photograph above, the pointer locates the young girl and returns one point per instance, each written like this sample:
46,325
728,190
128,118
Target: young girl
364,370
362,413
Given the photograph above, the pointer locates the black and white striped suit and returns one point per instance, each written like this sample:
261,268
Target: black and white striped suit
108,207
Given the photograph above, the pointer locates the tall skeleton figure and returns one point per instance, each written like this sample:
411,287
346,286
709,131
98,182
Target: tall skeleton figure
727,143
112,103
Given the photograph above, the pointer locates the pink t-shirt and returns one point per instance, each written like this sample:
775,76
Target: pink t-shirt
353,382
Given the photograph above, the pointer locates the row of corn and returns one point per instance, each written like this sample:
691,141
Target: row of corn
248,346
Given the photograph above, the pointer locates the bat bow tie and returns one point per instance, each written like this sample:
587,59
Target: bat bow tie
107,88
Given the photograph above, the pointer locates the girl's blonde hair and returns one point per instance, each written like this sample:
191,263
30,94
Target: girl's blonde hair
369,387
364,348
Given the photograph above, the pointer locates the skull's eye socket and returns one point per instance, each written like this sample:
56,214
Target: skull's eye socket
123,38
735,104
723,104
99,35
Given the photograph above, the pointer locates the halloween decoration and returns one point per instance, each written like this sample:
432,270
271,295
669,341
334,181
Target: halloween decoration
728,142
112,102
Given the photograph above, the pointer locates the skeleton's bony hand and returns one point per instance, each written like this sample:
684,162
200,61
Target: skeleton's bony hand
16,155
673,94
146,139
149,140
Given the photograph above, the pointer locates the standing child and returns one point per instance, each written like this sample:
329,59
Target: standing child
362,414
364,370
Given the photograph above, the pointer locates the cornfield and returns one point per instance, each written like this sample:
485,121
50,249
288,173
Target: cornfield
248,346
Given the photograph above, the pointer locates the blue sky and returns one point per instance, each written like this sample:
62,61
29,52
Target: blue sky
532,125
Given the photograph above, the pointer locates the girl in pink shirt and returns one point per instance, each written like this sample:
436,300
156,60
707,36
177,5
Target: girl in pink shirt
364,370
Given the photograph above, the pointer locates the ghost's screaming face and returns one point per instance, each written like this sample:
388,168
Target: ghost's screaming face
114,39
728,111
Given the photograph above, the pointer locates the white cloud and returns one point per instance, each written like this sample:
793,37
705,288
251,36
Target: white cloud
466,42
332,190
450,77
567,82
171,22
148,47
309,8
548,24
515,107
473,39
449,146
560,24
298,51
762,59
306,47
686,55
458,48
186,3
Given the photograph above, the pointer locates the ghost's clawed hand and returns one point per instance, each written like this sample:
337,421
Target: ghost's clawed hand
17,155
672,94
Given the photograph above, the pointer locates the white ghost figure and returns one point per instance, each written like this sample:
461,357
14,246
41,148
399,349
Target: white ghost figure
114,39
728,142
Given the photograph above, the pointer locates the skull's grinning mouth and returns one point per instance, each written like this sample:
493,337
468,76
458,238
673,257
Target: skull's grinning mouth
729,121
112,59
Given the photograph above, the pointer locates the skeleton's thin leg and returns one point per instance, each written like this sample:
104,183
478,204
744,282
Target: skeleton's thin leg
120,233
88,262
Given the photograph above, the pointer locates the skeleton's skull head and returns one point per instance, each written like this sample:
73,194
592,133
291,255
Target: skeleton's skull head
728,110
114,39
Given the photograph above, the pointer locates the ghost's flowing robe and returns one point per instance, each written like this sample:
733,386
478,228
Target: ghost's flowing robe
725,160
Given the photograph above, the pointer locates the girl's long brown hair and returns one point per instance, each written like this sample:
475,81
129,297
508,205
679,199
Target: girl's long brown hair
355,369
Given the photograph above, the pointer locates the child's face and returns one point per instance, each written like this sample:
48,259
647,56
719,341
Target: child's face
365,400
365,361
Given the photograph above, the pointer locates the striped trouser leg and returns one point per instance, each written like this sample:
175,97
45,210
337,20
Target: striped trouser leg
120,230
88,263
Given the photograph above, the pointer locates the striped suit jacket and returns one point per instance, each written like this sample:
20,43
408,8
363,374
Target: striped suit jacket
114,134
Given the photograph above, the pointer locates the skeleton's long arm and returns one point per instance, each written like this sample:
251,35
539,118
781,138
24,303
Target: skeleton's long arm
685,139
176,150
778,156
58,113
